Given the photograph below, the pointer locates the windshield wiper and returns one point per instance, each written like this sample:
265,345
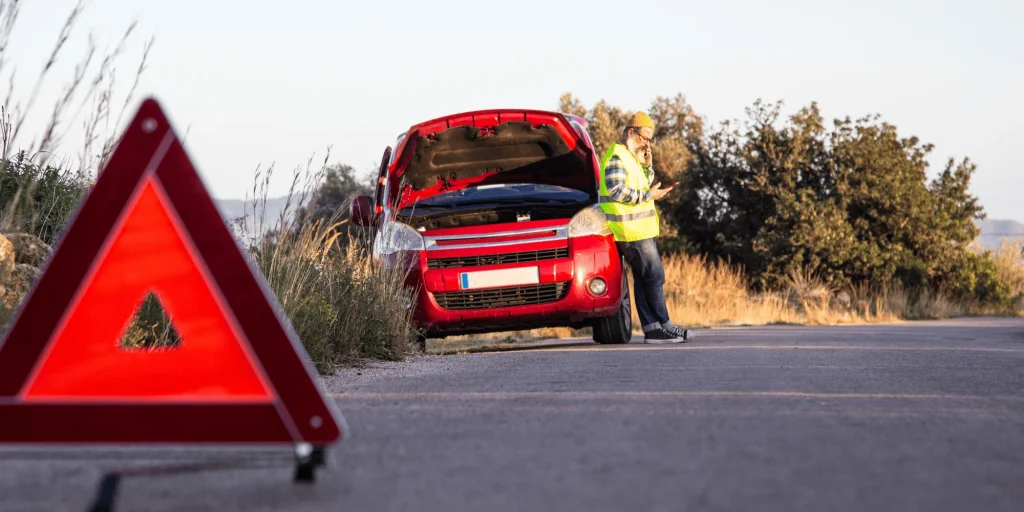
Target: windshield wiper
428,206
555,200
528,200
481,202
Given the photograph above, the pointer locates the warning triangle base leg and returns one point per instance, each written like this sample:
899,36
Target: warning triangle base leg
307,458
107,493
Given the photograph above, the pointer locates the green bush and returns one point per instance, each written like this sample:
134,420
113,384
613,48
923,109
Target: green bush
976,280
38,200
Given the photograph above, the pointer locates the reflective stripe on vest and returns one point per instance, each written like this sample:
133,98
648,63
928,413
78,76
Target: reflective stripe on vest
628,222
630,216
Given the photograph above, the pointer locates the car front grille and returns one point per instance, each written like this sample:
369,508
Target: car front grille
503,297
498,259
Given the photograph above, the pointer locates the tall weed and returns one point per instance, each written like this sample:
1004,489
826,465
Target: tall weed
343,304
1009,262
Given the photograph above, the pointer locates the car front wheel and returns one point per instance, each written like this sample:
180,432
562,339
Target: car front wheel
618,328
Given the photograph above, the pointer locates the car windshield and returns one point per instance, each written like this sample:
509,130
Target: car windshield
505,193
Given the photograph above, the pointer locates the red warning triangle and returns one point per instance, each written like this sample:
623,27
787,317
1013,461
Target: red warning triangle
212,365
149,226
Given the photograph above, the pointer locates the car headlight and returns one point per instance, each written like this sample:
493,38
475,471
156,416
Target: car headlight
394,237
589,221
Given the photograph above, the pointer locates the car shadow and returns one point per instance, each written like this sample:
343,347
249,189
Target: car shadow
587,343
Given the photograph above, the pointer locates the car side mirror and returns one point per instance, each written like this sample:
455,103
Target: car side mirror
361,211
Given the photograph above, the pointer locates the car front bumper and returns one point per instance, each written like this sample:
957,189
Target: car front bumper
561,297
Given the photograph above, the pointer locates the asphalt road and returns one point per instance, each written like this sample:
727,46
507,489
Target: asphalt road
916,416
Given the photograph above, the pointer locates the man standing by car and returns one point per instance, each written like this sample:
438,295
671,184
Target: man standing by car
627,198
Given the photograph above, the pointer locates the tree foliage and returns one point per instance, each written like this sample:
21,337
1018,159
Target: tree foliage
330,201
852,204
333,197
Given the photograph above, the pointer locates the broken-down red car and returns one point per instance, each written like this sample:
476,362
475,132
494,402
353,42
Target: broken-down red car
495,214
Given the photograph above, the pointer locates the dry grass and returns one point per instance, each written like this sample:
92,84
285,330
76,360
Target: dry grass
701,293
1009,258
343,304
150,329
706,294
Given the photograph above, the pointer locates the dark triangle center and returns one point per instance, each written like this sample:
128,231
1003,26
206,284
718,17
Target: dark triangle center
151,327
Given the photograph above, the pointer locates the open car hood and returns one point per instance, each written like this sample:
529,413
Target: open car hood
492,147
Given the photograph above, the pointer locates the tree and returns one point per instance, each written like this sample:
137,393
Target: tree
333,197
762,198
329,203
852,205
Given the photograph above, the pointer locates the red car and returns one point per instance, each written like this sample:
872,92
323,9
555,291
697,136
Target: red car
495,214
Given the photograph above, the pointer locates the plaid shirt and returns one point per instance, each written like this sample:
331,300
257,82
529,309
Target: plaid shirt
615,180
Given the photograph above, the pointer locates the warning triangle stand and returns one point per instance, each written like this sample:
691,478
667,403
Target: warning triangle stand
239,375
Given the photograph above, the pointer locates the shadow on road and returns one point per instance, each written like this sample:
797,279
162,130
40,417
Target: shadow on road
582,343
575,342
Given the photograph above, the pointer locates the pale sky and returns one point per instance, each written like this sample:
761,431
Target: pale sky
256,82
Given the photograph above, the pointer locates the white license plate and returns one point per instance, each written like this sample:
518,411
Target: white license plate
498,278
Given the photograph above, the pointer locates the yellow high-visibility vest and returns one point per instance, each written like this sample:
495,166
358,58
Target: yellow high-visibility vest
628,222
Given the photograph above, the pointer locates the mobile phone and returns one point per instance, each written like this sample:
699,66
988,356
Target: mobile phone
671,186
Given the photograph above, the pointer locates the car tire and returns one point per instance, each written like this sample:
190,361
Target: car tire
617,329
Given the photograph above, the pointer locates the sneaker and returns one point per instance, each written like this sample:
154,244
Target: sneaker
661,336
685,334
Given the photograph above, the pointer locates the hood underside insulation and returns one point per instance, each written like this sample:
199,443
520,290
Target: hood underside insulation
466,152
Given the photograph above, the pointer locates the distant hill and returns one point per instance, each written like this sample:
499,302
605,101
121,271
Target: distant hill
995,231
233,209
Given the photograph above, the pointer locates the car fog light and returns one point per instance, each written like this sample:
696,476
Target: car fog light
597,286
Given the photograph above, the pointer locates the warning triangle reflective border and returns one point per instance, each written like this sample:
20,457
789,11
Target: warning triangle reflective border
240,374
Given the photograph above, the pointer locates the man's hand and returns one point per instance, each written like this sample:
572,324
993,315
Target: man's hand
657,192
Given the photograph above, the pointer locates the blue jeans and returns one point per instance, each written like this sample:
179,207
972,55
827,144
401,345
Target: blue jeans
648,280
